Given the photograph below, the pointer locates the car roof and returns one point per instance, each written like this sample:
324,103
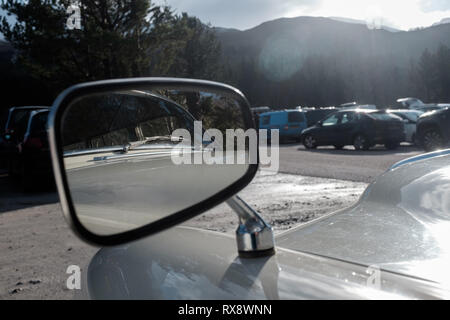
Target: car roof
360,110
408,99
280,111
404,111
36,112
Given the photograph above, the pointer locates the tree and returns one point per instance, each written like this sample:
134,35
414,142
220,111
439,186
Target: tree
433,74
113,40
117,39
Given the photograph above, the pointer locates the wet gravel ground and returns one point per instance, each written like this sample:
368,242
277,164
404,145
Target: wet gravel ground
285,201
347,164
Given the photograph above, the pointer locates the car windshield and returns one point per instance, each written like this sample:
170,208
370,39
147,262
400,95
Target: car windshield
19,119
331,121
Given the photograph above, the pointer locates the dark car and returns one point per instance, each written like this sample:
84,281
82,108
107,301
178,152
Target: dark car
14,131
31,159
433,129
361,128
314,116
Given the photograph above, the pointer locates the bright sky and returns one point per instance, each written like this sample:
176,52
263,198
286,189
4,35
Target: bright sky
244,14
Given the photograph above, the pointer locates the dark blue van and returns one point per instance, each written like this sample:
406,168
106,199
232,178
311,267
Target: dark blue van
290,123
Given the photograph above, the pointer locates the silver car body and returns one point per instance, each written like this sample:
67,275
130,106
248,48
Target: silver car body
393,244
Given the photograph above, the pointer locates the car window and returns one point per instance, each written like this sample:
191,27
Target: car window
315,116
265,120
39,122
295,117
278,118
19,119
331,121
348,117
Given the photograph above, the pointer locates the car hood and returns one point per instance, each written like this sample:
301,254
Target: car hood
190,264
390,245
310,129
428,114
401,224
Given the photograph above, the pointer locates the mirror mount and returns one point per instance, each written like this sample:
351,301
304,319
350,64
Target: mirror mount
254,236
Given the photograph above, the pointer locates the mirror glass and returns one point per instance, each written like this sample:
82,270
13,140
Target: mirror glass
136,156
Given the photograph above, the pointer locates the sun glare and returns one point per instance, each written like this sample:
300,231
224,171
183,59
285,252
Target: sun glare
400,14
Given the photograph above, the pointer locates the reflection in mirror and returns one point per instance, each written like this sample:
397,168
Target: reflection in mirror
134,157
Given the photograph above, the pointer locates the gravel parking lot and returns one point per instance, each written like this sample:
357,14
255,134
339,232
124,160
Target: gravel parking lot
37,247
346,164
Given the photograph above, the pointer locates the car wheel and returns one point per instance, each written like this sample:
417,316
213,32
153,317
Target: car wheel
392,145
432,140
310,142
360,143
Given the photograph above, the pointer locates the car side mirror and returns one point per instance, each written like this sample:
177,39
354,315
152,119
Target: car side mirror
129,158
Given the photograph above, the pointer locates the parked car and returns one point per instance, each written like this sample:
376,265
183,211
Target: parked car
410,103
315,115
31,159
429,107
409,118
14,130
433,129
392,244
290,123
351,105
361,128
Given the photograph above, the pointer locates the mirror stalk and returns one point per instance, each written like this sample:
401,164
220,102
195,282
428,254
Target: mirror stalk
254,236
